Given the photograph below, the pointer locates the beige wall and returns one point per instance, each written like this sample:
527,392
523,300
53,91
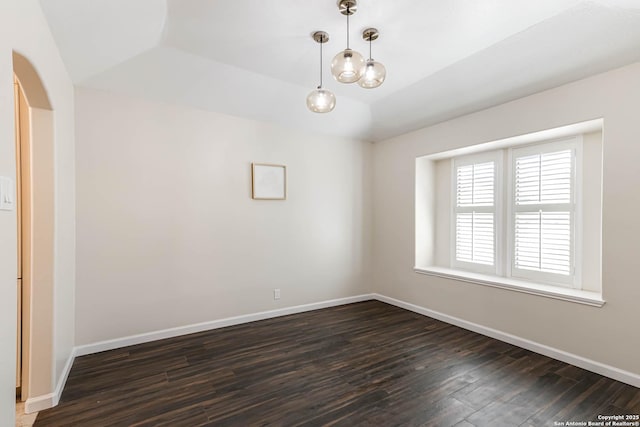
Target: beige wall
168,234
25,31
608,335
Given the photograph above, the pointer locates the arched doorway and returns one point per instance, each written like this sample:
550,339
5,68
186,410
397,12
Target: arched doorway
35,166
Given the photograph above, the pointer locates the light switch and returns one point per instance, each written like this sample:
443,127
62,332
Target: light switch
7,194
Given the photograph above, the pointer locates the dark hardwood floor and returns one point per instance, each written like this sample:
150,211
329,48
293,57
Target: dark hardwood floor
365,364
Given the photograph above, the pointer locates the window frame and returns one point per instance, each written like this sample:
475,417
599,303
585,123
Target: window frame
504,212
478,158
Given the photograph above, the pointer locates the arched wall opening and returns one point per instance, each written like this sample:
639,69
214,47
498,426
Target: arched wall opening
36,145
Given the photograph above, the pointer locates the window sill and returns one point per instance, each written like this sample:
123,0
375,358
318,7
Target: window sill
565,294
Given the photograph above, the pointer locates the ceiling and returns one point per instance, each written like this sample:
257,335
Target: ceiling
256,59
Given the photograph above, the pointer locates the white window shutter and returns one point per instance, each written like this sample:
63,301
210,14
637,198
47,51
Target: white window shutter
544,178
544,212
475,237
475,214
475,185
543,241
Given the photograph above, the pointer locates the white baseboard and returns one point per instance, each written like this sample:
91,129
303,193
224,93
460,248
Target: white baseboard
215,324
40,403
573,359
46,401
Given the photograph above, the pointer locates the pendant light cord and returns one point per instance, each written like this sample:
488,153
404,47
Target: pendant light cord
370,47
348,13
321,43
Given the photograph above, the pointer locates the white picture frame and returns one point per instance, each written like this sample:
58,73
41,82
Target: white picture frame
268,181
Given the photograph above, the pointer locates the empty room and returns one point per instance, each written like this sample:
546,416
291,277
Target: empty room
319,213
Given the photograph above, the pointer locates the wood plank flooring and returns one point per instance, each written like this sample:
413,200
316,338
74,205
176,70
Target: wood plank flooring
364,364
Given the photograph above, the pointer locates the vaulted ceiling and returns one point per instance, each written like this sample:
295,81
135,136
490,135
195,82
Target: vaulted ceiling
256,59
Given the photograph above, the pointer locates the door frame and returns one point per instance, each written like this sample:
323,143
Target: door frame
38,219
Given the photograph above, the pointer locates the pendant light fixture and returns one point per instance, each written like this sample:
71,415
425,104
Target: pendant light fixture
374,72
321,100
348,65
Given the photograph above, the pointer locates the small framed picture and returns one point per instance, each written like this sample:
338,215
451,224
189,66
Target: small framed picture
269,182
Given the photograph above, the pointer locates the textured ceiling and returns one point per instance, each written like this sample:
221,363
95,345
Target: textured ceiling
256,59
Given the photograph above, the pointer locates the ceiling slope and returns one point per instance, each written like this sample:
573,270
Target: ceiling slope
257,59
95,35
173,76
577,43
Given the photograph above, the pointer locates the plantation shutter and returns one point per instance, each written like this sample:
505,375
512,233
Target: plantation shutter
543,212
475,214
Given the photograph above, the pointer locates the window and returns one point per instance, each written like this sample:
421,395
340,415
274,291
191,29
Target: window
543,206
541,213
517,213
475,213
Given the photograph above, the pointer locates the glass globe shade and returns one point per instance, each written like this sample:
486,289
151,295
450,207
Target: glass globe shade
373,76
321,101
347,66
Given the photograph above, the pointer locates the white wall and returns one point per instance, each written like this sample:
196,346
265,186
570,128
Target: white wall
168,234
610,334
25,31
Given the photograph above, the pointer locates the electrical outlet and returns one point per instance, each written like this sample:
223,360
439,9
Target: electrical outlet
276,294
